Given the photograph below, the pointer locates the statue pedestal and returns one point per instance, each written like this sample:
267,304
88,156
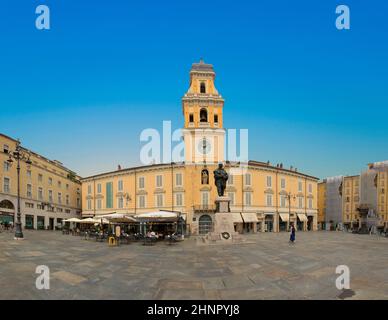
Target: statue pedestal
222,204
223,224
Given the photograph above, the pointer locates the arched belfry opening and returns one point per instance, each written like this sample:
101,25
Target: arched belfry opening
203,115
203,87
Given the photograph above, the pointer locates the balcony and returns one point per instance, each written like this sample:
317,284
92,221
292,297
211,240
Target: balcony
204,208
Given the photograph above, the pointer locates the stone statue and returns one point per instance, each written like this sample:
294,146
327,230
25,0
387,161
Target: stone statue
220,178
205,177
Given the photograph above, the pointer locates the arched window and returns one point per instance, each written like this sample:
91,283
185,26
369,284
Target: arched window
203,115
203,87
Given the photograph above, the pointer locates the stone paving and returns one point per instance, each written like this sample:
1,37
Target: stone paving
266,267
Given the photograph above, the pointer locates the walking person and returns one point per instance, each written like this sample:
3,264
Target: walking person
292,233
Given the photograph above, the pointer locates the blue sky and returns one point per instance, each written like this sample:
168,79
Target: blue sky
311,96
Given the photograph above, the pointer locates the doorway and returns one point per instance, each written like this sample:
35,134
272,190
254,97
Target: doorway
205,224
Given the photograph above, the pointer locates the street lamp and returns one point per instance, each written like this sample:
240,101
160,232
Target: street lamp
19,155
289,196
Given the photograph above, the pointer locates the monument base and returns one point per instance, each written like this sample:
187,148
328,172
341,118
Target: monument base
223,231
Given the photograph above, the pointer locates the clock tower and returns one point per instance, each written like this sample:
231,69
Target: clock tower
202,105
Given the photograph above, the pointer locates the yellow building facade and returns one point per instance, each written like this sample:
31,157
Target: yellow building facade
321,205
264,197
49,192
351,201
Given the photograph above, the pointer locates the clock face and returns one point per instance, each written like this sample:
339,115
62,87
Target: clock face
204,146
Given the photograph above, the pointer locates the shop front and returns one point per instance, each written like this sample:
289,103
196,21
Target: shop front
269,222
302,220
283,221
250,222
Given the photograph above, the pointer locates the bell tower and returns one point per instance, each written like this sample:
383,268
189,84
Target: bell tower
202,107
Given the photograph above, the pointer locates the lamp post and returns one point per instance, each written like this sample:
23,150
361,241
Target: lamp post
289,196
18,155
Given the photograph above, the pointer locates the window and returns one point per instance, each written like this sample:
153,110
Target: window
121,202
89,204
120,185
50,181
310,188
6,148
28,172
203,87
231,197
269,181
205,198
67,200
78,202
89,189
59,184
310,203
178,179
300,202
99,203
141,182
179,199
230,179
248,179
40,193
283,201
142,201
159,200
6,166
59,210
191,118
99,188
248,198
50,196
29,191
283,183
29,205
300,186
109,195
40,177
159,181
59,197
269,200
67,186
216,118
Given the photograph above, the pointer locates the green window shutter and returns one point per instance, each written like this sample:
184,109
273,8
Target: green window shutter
109,195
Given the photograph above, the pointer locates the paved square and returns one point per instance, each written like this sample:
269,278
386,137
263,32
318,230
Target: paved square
265,268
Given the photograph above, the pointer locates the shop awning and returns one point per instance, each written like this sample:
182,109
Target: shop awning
236,216
249,217
302,217
284,216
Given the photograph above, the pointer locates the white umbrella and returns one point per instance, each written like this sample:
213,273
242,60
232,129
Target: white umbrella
157,215
72,220
88,221
99,220
119,217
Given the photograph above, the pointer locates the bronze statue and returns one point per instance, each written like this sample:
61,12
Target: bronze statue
220,178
